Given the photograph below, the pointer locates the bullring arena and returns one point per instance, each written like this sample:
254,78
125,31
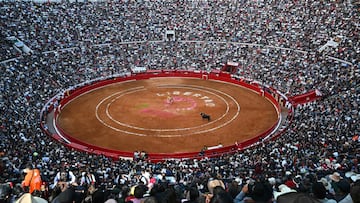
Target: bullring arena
160,114
251,93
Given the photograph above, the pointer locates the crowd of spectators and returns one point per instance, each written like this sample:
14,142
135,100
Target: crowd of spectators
77,42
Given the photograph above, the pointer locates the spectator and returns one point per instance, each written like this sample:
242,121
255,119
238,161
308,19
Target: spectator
355,193
27,197
283,189
222,197
213,182
139,192
192,195
87,179
256,192
234,187
67,195
32,181
343,192
64,176
319,192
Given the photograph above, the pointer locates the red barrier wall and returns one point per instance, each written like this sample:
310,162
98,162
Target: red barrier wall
304,98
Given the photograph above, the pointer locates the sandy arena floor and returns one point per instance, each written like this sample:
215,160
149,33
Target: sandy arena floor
162,115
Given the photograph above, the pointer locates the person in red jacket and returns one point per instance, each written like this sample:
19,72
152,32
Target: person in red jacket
32,180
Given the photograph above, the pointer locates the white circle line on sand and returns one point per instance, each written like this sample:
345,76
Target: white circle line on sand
169,135
103,100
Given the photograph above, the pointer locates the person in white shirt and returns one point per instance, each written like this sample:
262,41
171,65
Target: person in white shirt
64,176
